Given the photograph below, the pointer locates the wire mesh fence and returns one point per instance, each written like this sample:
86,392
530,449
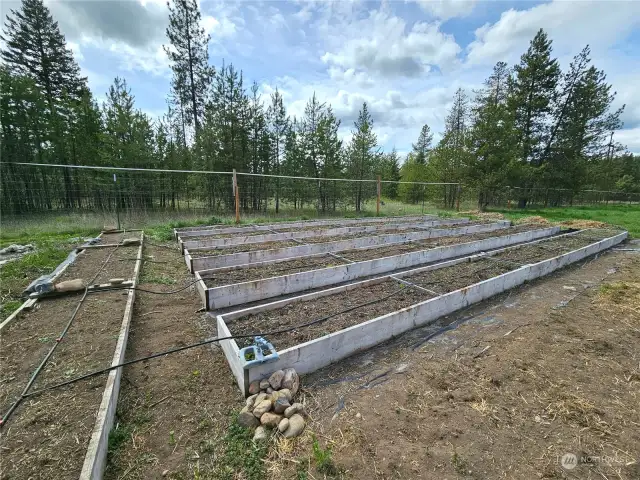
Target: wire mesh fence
133,193
137,195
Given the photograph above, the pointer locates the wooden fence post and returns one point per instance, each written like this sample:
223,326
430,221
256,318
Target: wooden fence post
378,200
237,197
459,191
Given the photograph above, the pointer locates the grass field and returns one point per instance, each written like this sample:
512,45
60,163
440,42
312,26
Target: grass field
623,216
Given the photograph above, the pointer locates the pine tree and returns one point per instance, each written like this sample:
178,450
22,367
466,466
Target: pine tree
422,148
278,126
363,153
389,169
493,138
189,58
36,48
534,87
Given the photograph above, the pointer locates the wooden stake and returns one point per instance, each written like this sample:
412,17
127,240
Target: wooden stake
378,200
237,197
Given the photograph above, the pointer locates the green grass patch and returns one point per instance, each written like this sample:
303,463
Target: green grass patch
324,459
17,274
622,216
240,457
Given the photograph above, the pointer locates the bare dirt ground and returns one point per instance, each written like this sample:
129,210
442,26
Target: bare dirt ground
172,411
548,369
47,435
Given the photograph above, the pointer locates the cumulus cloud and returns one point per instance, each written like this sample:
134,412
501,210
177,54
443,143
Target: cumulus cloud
571,25
630,138
125,21
446,9
383,44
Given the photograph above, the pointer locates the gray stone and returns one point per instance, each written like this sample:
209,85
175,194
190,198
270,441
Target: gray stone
293,409
251,401
283,425
280,405
291,380
260,397
295,428
263,407
247,419
264,384
287,394
269,390
254,387
270,419
275,380
260,435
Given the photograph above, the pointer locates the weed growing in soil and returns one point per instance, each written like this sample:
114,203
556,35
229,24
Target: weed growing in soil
459,464
241,458
118,436
324,458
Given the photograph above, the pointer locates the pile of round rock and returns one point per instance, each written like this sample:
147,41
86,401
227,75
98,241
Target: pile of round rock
271,405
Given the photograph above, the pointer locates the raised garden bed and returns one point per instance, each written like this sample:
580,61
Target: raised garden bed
258,254
245,273
259,290
63,432
207,243
454,284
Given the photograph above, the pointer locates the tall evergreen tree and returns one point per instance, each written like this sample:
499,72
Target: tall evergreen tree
534,88
37,49
422,147
363,152
493,139
189,56
278,126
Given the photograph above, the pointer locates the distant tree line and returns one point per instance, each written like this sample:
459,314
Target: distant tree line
531,126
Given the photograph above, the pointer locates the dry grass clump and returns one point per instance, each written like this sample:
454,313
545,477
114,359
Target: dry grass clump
536,219
484,215
584,224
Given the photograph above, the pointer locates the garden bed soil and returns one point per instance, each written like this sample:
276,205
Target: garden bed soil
246,274
249,247
361,254
440,281
303,312
47,435
238,275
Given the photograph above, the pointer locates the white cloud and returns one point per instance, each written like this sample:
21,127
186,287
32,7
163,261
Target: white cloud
630,138
77,51
571,25
152,60
382,44
446,9
218,28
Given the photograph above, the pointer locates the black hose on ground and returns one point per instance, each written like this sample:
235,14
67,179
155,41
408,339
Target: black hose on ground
206,342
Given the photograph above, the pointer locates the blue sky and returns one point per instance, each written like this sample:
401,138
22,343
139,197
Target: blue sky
406,58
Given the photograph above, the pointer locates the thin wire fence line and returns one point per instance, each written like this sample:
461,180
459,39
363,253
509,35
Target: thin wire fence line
244,174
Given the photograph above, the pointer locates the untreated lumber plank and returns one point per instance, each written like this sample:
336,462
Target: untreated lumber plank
96,456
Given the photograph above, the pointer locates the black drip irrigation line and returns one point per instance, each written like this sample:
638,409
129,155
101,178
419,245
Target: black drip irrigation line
206,342
59,339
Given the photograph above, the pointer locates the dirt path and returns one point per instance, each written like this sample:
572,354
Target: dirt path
172,411
549,369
